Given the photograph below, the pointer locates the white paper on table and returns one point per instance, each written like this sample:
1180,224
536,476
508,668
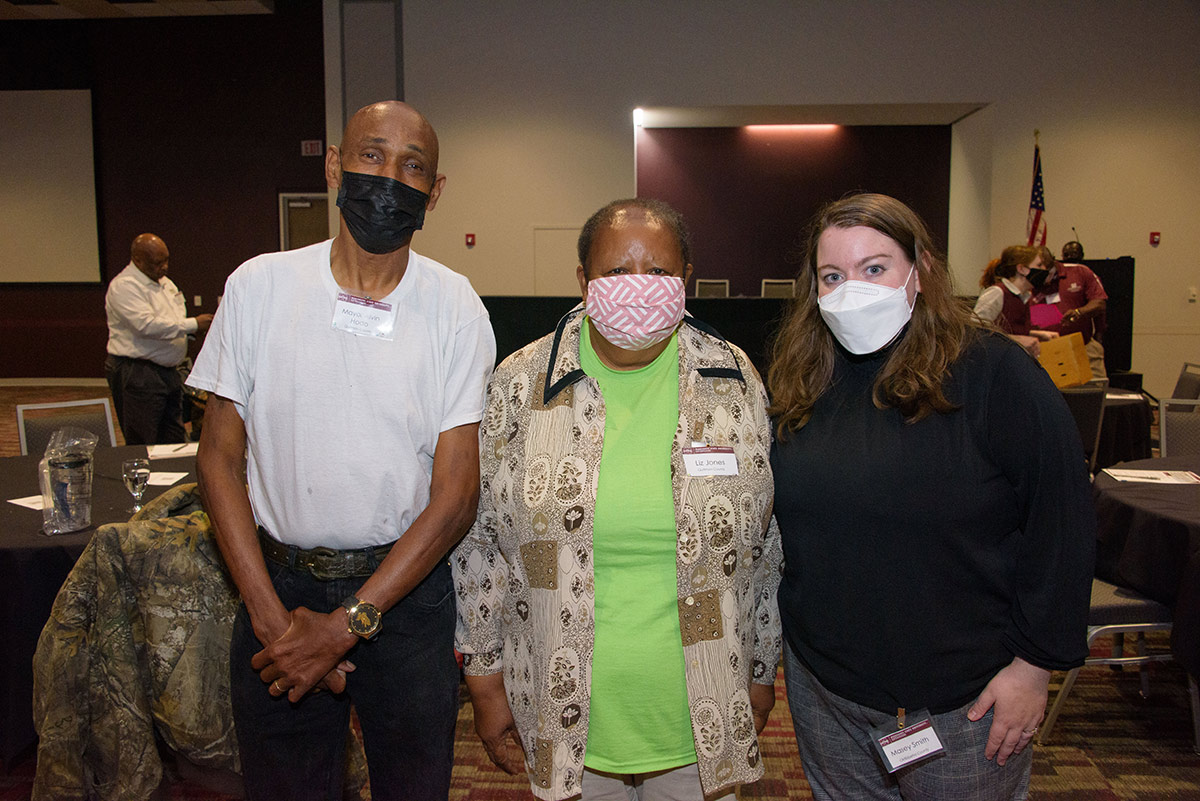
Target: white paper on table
1121,394
1155,476
164,479
175,451
30,502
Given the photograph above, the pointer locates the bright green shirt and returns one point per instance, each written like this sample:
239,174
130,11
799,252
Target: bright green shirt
638,717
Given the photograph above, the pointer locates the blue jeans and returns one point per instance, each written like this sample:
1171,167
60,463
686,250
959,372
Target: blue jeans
404,689
840,762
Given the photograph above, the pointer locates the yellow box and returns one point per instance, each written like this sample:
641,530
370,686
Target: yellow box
1066,360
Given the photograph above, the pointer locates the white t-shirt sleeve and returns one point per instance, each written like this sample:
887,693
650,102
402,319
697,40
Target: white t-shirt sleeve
224,364
471,365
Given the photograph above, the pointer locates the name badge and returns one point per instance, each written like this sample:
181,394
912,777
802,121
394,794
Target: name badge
363,317
913,743
1055,298
710,461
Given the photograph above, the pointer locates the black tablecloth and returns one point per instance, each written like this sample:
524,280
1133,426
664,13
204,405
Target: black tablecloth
34,565
1149,540
1124,430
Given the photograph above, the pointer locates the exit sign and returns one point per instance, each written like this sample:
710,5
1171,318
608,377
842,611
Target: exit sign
311,147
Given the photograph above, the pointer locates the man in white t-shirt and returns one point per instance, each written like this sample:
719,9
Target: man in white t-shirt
351,374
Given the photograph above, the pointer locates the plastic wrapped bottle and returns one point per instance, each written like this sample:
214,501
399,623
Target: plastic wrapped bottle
65,475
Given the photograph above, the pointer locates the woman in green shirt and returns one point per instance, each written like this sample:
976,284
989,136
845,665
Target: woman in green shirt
617,591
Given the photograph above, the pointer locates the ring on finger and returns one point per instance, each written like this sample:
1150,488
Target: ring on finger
276,686
1030,732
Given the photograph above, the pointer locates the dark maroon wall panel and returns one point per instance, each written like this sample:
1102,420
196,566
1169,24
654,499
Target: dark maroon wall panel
748,194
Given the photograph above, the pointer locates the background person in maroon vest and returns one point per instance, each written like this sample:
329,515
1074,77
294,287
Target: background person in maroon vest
1009,283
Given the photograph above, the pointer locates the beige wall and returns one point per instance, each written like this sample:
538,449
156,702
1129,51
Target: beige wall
532,101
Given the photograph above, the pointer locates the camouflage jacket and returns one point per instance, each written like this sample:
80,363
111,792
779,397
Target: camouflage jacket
524,575
137,650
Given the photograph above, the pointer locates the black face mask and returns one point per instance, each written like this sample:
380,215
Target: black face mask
1038,277
381,213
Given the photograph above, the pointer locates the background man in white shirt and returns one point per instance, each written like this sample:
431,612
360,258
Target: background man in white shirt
148,328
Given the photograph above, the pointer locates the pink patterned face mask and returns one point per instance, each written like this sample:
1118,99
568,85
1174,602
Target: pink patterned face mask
635,312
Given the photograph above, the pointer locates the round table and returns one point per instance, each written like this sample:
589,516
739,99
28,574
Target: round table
1149,541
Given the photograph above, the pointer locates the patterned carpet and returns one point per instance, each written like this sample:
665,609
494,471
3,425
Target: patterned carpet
1108,744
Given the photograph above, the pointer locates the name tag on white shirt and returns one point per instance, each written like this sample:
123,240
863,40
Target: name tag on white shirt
707,460
363,317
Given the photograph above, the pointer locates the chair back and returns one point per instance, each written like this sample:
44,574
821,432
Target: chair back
37,422
779,287
1179,427
1086,403
1188,385
712,287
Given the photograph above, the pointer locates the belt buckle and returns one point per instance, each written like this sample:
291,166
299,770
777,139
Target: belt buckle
326,564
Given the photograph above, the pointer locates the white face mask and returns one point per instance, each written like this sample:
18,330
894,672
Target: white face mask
864,316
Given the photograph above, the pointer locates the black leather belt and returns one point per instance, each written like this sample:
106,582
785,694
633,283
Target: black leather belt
325,564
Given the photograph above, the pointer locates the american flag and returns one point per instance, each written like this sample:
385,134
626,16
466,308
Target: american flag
1035,227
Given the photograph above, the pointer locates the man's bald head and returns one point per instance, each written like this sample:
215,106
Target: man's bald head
401,120
150,255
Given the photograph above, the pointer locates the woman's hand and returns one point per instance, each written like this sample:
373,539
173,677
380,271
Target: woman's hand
1030,344
1044,336
494,723
762,701
1018,693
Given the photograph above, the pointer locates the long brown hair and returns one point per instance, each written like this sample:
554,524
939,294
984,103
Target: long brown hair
1011,258
802,356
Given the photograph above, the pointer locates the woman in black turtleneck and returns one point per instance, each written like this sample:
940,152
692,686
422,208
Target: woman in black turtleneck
937,522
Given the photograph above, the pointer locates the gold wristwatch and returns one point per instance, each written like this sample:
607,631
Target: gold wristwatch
362,618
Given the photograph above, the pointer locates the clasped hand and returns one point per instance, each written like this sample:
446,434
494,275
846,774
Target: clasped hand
308,656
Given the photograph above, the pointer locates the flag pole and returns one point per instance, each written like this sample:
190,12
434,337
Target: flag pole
1035,226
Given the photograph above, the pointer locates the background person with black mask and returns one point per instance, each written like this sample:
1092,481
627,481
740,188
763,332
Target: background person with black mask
352,372
1009,283
1079,297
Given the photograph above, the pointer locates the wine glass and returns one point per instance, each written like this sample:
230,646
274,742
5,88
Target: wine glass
136,474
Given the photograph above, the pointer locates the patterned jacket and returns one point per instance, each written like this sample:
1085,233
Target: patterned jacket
524,574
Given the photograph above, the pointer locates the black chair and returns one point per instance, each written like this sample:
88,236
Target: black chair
37,422
1086,403
1188,384
1118,611
1179,427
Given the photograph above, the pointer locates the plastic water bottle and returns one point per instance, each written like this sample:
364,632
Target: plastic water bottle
66,492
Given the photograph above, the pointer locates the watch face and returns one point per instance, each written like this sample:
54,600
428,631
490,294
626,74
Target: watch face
364,619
